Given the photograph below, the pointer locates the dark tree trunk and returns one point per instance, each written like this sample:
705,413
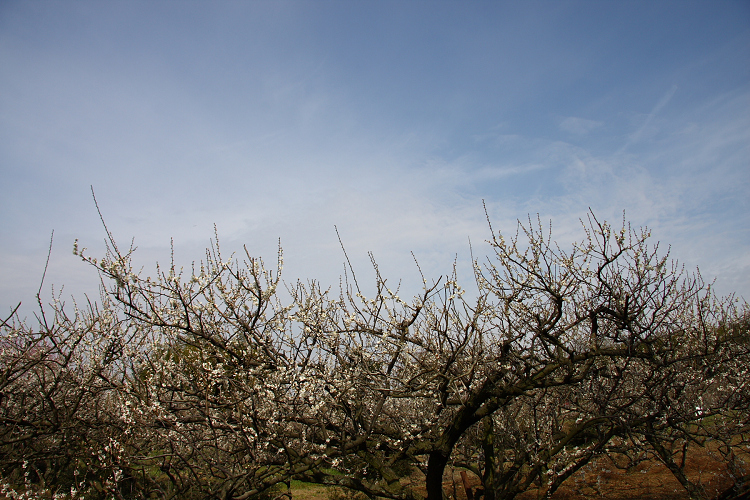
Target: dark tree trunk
488,447
435,469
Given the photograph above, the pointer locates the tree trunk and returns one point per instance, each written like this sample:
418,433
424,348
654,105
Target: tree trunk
435,470
488,447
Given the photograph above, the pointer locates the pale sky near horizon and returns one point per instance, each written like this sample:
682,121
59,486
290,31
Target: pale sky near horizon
392,120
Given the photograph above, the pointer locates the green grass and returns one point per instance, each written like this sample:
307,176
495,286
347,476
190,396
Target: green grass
302,485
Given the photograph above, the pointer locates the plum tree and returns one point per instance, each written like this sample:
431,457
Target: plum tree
209,385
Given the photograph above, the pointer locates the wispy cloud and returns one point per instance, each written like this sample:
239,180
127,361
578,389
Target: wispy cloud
636,136
579,126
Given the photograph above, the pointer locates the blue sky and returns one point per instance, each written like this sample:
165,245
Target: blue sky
390,120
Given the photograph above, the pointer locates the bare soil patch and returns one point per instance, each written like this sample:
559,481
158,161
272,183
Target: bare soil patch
649,481
600,480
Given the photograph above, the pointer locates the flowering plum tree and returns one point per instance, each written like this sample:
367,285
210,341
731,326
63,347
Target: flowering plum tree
548,330
209,385
59,414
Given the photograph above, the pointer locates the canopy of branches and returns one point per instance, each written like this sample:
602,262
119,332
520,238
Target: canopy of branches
209,385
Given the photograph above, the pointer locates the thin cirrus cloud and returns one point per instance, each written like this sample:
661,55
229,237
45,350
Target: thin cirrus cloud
636,136
579,126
